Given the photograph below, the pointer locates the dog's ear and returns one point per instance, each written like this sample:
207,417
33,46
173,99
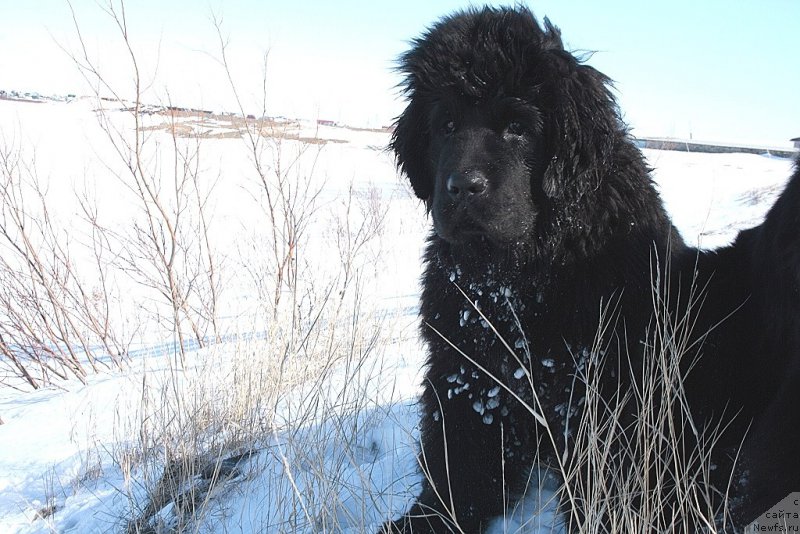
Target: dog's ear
410,145
582,122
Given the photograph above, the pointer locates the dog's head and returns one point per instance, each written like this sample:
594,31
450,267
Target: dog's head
500,123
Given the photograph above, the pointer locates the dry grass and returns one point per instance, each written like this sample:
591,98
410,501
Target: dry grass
636,462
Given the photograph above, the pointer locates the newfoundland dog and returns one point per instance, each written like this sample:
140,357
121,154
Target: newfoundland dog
555,290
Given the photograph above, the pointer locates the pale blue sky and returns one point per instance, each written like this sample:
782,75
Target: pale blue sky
720,70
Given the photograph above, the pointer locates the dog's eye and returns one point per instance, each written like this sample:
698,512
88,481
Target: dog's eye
449,127
515,128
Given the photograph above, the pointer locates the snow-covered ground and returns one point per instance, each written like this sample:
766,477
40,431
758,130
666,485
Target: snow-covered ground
337,450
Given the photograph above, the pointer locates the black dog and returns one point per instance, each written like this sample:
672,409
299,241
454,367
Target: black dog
547,228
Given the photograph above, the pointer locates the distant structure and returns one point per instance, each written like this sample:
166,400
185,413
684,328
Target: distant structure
686,145
796,142
323,122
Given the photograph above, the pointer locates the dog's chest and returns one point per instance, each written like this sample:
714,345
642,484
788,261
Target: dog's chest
494,351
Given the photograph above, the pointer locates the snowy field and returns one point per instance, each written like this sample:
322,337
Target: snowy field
232,435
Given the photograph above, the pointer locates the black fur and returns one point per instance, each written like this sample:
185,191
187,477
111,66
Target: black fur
545,216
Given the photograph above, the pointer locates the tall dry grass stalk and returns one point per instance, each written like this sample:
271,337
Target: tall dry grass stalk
640,462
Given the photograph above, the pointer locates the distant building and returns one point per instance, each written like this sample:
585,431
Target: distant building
323,122
685,145
796,142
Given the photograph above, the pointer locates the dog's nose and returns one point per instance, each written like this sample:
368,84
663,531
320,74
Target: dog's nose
466,184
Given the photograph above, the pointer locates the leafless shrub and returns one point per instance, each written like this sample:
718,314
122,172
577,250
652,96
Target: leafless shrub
168,250
204,426
285,383
53,322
